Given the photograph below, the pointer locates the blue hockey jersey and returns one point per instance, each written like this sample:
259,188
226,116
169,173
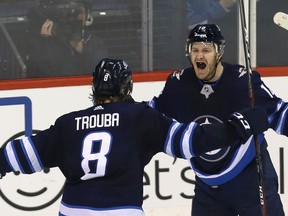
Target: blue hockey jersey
186,98
102,152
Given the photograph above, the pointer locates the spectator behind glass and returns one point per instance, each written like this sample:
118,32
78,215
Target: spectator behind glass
206,11
60,44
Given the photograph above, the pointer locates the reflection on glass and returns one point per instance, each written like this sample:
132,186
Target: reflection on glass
59,44
47,38
272,40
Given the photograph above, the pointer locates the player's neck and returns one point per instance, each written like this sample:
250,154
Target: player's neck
218,73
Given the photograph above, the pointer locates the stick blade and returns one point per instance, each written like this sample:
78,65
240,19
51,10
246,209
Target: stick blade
281,19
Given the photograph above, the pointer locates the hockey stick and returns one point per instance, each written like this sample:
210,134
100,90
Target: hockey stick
252,103
281,19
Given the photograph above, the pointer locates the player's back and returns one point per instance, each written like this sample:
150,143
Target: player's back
102,152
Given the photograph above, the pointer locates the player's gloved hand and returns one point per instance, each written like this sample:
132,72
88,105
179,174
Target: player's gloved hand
249,121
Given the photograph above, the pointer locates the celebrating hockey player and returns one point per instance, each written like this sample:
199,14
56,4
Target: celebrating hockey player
207,92
102,150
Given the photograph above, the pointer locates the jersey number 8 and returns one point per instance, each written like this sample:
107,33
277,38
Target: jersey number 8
104,140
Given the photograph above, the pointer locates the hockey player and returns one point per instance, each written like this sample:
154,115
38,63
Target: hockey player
102,150
226,180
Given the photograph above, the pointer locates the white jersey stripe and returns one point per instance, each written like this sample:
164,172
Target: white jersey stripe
78,211
280,125
169,142
32,157
10,154
187,140
242,150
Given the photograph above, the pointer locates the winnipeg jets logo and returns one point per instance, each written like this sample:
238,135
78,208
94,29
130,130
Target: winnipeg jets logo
177,74
207,90
215,155
243,71
206,122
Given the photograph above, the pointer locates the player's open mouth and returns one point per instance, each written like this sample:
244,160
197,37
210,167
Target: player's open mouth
201,65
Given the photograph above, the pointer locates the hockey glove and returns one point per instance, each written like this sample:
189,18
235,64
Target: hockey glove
249,121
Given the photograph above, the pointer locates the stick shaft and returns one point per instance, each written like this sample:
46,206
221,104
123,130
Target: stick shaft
252,103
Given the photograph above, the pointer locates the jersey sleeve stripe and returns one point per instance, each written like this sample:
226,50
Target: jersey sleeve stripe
31,154
151,103
216,179
26,155
169,148
271,117
243,156
282,118
186,141
12,158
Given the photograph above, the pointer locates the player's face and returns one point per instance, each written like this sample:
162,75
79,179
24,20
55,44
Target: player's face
82,16
203,57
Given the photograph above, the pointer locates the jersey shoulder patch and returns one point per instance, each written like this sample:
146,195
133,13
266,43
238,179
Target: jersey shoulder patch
177,74
242,71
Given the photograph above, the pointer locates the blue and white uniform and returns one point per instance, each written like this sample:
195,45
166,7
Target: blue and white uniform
186,98
102,152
